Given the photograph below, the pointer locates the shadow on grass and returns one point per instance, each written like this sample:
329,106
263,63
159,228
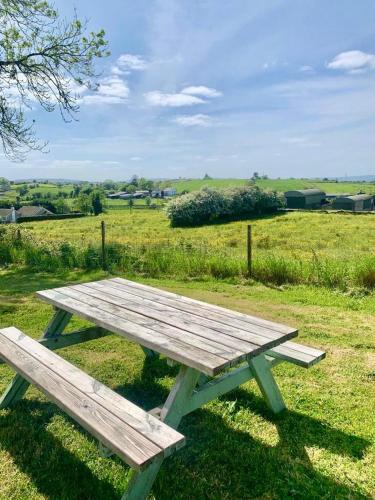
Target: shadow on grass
221,459
54,471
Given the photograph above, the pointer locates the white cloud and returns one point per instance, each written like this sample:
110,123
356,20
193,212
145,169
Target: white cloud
353,61
131,62
136,158
198,120
111,90
201,90
157,98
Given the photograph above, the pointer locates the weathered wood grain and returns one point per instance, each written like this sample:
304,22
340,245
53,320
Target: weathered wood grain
133,434
187,331
139,314
176,349
203,326
204,307
297,354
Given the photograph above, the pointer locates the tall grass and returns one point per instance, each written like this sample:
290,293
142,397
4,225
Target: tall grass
184,260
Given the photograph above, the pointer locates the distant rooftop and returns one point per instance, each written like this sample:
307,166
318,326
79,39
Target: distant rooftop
304,192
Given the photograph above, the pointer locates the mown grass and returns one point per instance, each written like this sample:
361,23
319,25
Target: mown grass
323,446
330,250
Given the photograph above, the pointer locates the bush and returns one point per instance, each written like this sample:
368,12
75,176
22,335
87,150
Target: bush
213,205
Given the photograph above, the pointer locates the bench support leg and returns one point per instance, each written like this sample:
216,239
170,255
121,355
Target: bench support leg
172,412
261,369
149,352
18,386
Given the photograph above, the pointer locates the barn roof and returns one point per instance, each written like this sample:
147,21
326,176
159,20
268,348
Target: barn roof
31,211
5,212
356,197
304,192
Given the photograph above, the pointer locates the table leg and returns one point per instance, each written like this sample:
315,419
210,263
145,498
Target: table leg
261,369
18,386
172,412
149,352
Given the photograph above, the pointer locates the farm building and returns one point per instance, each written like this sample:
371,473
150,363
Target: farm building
31,211
12,215
356,203
333,196
164,193
5,215
305,198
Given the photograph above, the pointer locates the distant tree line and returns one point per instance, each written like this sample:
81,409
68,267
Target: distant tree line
135,184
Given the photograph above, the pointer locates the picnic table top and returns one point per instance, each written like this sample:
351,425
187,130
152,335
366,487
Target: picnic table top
200,335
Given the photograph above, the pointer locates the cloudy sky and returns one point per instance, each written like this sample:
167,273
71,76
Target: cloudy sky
286,88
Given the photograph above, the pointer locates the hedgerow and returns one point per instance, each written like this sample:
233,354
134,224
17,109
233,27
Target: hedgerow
213,205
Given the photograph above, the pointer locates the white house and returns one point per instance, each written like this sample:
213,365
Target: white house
164,193
8,215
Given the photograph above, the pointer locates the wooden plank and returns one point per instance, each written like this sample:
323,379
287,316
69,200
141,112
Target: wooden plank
173,348
218,387
85,335
229,313
298,354
57,325
261,369
18,387
141,482
171,317
204,310
172,332
130,445
79,337
207,328
160,434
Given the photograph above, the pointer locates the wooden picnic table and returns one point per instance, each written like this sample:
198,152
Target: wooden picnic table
217,350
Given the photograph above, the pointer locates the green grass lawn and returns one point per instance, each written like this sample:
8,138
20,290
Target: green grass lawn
323,446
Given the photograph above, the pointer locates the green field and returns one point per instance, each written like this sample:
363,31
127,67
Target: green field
294,234
329,249
323,446
41,188
280,185
311,270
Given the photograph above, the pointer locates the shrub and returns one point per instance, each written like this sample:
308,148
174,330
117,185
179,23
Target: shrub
212,205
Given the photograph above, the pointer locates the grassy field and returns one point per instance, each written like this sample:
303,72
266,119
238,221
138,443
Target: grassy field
280,185
334,250
323,446
42,188
293,233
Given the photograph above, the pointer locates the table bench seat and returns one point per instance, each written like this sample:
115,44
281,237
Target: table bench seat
130,432
298,354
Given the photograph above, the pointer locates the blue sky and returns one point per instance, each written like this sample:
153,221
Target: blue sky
229,87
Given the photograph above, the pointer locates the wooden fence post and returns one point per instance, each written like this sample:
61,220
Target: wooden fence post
249,255
104,260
